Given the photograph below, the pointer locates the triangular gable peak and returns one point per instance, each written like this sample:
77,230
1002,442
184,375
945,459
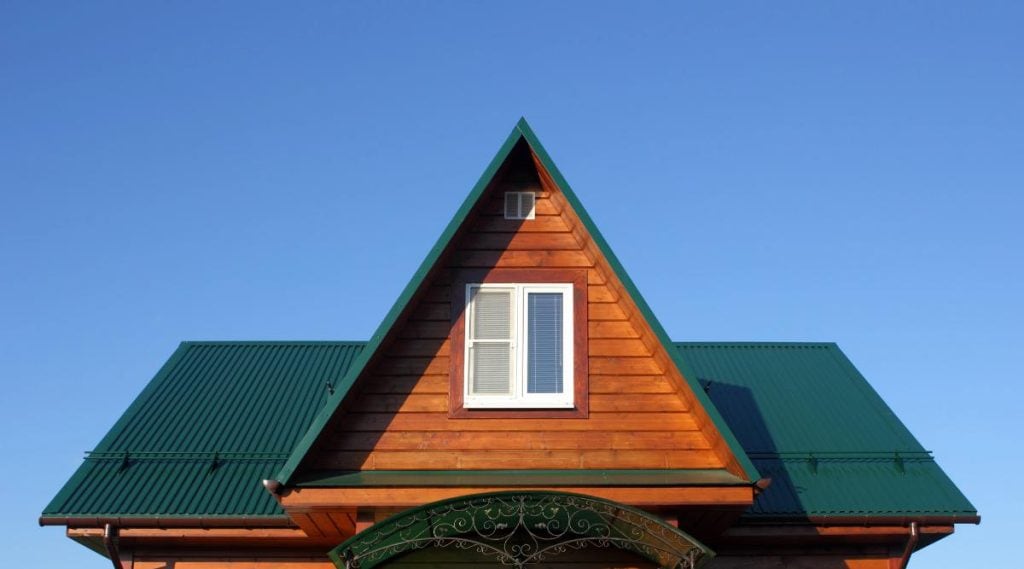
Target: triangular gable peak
634,404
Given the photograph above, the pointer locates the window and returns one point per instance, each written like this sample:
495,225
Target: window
520,205
492,314
519,346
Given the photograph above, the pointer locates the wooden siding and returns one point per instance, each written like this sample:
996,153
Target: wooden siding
398,417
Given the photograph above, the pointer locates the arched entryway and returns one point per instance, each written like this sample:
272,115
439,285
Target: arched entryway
522,529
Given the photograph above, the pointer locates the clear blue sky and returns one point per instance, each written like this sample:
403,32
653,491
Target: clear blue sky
850,172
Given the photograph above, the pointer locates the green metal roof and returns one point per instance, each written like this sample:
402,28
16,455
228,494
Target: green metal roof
521,133
217,419
221,416
813,424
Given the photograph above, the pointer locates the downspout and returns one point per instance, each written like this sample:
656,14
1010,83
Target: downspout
110,544
911,544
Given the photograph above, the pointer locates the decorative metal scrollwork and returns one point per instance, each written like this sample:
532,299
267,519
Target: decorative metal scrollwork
519,529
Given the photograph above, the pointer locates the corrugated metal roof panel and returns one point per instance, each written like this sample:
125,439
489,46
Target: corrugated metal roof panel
202,396
171,487
857,487
217,419
813,424
788,397
807,418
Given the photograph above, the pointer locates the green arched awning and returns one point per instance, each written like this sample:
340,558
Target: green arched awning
520,529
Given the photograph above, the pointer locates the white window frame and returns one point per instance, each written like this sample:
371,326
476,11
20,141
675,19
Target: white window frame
518,197
520,399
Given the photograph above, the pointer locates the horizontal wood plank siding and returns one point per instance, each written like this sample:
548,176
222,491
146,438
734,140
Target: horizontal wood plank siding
399,417
625,422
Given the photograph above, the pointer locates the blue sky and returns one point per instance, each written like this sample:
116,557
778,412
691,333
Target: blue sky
847,172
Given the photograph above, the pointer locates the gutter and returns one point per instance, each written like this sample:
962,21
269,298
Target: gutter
911,545
863,520
110,544
169,522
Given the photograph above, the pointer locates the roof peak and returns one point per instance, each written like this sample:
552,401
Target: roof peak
522,133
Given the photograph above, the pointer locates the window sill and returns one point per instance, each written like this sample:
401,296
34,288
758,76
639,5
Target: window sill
517,413
513,404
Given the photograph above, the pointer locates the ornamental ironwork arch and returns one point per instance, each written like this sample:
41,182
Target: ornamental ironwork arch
520,529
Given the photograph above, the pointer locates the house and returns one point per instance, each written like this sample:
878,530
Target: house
519,405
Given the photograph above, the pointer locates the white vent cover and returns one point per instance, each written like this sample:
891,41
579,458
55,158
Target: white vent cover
520,205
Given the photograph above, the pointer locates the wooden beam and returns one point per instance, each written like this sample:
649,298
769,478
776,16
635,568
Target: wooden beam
308,499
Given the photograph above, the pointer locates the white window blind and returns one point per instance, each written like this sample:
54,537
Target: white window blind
490,342
544,347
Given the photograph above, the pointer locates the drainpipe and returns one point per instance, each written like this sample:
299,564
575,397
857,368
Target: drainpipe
110,544
911,544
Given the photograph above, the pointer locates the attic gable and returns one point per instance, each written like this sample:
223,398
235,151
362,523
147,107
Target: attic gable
399,395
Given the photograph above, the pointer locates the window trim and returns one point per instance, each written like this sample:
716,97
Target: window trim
519,399
577,279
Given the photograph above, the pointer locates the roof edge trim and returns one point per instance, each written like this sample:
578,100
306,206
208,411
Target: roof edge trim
673,353
522,131
901,519
325,414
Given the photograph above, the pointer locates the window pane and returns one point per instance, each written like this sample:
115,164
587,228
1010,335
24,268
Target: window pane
492,314
544,343
490,369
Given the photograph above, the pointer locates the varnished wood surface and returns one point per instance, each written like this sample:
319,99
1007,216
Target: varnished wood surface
405,412
327,498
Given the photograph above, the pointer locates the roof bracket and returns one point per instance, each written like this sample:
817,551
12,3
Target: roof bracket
125,463
214,463
330,388
898,461
812,461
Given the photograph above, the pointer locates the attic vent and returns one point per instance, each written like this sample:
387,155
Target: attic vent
519,205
